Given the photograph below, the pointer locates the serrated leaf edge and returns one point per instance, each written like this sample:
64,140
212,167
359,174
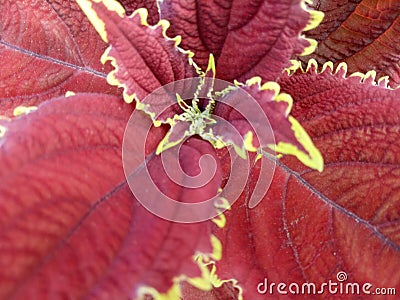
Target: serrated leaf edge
142,13
340,70
315,18
313,158
203,282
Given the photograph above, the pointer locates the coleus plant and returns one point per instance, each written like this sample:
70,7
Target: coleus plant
71,227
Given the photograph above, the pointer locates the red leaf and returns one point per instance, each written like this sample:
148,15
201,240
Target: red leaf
362,33
144,58
47,48
247,38
70,226
281,133
312,225
127,34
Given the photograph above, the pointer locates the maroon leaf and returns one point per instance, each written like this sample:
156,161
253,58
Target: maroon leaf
70,226
47,48
248,39
364,34
144,58
125,34
311,225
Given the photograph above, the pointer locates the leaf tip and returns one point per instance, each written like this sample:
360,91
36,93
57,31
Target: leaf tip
211,66
312,157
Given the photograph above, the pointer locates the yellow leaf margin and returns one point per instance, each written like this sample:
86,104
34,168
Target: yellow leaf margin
312,158
142,13
315,19
340,70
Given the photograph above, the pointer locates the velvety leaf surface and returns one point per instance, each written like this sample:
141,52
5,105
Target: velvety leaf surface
142,70
47,48
312,225
70,226
151,6
247,38
364,34
145,59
